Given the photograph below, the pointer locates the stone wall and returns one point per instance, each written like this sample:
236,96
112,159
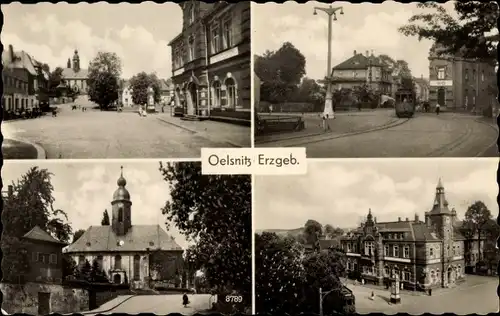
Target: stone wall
24,298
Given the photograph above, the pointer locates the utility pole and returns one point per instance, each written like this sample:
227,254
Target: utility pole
331,13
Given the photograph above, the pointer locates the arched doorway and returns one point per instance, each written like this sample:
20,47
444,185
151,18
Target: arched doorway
441,97
192,98
450,275
117,279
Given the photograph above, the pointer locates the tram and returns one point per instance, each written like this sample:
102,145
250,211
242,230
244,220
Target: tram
405,103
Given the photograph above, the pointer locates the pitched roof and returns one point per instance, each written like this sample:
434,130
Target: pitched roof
358,61
21,60
39,234
69,73
138,238
166,85
422,233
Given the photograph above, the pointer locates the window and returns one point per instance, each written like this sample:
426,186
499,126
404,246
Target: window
227,35
482,75
232,99
406,252
81,260
442,73
118,262
406,276
387,271
215,44
395,251
348,265
454,250
137,267
466,74
35,256
386,250
474,74
431,252
191,48
53,258
120,215
99,262
348,247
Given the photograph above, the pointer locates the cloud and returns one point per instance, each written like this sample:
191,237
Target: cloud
340,193
137,47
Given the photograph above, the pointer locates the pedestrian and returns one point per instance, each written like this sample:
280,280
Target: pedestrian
372,297
323,122
327,124
185,300
438,108
430,292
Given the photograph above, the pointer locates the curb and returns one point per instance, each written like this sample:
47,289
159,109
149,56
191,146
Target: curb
493,144
196,132
97,312
41,154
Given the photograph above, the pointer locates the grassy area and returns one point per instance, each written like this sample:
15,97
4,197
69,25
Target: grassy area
13,149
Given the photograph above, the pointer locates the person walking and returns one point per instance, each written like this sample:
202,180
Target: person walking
327,124
438,108
185,300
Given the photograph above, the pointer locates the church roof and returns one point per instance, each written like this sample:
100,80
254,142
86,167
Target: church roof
39,234
69,73
138,238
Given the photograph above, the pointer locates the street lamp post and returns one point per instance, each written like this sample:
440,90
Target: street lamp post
331,12
322,296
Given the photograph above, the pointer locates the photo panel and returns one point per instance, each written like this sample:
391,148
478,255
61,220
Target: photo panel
378,236
125,237
377,80
125,80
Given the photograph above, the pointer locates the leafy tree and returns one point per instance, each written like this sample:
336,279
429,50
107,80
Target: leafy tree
312,231
279,274
332,232
281,72
55,78
105,218
468,35
215,212
30,205
69,266
85,271
140,84
97,273
78,234
104,74
323,270
477,217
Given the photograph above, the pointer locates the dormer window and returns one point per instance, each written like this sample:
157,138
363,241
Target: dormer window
120,215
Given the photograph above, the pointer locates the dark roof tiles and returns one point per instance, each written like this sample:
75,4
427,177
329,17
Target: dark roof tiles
39,234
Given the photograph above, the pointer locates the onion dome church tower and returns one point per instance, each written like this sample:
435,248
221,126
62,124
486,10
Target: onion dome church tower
121,208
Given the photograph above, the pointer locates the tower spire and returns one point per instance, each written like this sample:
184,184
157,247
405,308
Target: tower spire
440,203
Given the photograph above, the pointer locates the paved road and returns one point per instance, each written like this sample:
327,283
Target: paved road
96,134
477,295
425,135
162,304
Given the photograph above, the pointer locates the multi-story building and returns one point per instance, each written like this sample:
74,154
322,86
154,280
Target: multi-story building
20,80
211,60
125,92
362,70
76,78
459,83
166,91
421,89
423,254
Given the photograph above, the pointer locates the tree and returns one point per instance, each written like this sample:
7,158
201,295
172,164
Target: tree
30,205
476,218
215,212
280,72
104,74
97,274
332,232
279,274
323,270
312,231
140,84
85,271
55,78
469,35
69,267
105,218
78,234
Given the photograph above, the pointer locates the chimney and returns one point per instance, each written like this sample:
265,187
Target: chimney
11,52
10,188
355,53
416,218
407,219
399,219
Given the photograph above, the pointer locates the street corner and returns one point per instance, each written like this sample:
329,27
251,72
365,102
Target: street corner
21,149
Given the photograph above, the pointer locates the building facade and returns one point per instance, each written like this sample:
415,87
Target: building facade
166,91
423,254
362,70
129,254
20,79
421,89
76,78
211,60
461,84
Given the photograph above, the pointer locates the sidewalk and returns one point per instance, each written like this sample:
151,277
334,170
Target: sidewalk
19,149
342,124
232,134
108,306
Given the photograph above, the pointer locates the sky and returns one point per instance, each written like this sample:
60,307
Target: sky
138,34
363,27
340,192
85,189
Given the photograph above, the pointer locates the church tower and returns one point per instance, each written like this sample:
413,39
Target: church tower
440,220
76,62
121,208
